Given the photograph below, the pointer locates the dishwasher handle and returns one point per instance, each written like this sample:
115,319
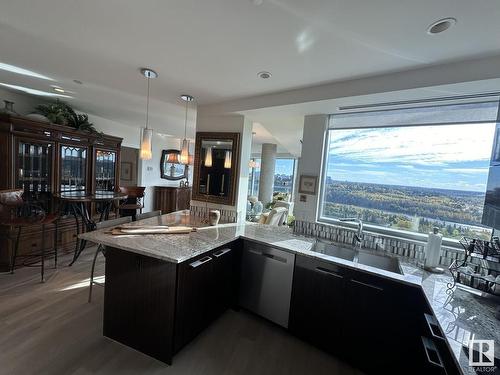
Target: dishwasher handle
268,255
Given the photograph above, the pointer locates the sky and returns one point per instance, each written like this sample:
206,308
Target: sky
446,156
282,166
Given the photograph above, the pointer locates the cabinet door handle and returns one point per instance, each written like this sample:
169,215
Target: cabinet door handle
200,262
221,252
433,326
431,352
367,285
328,272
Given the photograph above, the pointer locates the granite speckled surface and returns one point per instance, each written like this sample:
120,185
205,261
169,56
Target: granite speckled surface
462,315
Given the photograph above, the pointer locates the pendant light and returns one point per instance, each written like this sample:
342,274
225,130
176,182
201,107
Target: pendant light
208,157
146,150
227,160
184,157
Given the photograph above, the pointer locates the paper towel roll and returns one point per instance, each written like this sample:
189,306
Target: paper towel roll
433,249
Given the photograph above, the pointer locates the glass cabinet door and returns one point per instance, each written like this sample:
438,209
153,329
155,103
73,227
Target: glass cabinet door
105,166
73,168
34,169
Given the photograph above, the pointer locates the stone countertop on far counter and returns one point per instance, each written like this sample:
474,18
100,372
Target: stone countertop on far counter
463,315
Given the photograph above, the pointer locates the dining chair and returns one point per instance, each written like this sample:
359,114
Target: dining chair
147,215
18,213
133,202
101,248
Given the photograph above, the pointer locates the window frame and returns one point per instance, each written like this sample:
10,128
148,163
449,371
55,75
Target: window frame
370,228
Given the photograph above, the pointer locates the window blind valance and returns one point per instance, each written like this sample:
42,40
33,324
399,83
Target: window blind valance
437,114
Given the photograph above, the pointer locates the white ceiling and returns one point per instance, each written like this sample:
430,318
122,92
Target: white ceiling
214,49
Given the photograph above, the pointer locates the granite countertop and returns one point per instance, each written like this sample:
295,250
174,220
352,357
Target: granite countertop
463,315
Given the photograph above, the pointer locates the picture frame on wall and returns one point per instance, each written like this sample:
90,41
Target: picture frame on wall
308,184
126,171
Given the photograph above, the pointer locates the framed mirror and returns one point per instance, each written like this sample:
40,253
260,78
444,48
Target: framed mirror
170,167
216,167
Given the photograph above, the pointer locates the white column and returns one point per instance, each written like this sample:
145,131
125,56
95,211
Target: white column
267,165
310,164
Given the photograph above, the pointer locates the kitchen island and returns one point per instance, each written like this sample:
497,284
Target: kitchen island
162,290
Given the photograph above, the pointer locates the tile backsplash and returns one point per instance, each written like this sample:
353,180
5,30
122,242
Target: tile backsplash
394,245
226,216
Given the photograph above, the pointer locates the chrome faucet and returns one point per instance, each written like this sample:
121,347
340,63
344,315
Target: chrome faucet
358,236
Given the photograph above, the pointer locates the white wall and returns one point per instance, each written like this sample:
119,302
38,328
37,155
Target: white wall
23,104
310,163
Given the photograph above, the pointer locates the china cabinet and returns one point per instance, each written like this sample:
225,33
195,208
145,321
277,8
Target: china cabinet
43,159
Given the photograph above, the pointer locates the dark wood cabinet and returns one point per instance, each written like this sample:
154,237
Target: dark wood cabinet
194,299
226,271
369,314
43,159
316,311
207,286
376,324
139,302
170,198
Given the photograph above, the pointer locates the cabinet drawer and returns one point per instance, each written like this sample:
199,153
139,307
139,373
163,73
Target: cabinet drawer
33,243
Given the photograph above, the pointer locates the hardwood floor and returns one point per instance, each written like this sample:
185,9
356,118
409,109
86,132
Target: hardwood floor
51,329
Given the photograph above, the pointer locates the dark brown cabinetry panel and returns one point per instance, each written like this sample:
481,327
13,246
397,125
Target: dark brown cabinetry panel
139,302
318,303
170,199
207,286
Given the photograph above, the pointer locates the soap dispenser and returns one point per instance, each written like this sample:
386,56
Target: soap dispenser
433,250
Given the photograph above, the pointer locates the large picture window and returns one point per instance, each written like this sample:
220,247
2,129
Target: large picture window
409,178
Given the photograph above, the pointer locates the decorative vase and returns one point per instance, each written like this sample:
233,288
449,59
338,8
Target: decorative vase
213,217
8,108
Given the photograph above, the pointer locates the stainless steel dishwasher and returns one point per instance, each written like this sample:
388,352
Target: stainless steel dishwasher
266,281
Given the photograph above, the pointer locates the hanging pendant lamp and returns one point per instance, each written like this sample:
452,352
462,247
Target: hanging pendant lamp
184,157
146,150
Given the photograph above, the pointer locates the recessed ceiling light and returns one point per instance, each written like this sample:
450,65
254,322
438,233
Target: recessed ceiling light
441,25
58,89
264,75
148,73
187,98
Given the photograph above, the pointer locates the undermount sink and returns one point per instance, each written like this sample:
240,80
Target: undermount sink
334,250
366,258
382,262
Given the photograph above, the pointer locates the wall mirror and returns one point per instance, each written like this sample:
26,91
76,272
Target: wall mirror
170,167
216,167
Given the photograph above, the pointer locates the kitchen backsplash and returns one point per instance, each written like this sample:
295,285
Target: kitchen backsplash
408,248
226,216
